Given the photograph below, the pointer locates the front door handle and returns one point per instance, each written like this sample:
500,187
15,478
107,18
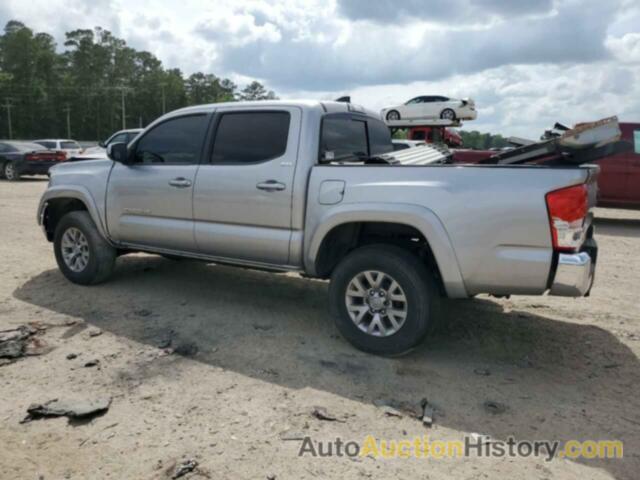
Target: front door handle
180,182
271,186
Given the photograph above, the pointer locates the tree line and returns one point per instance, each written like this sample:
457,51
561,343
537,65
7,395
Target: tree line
482,141
95,86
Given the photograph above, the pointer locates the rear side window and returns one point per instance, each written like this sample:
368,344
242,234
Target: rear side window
343,138
636,141
250,137
176,141
379,138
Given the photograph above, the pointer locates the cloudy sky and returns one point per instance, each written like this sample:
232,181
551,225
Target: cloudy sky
527,63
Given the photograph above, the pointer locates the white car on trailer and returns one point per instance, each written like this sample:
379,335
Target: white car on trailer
431,107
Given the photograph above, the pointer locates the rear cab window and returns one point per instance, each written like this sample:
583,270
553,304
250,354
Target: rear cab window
350,138
636,141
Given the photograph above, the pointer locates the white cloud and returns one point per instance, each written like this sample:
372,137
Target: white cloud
527,64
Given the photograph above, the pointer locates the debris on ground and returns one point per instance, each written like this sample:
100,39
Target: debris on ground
390,411
72,356
264,328
143,312
183,468
427,412
493,407
186,349
92,363
485,372
73,409
22,341
94,332
321,413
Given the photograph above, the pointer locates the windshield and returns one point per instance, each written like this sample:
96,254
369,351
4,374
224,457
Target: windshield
27,146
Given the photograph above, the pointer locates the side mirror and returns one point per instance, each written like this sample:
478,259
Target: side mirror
118,152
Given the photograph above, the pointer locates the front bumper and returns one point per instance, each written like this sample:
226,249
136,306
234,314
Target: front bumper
575,273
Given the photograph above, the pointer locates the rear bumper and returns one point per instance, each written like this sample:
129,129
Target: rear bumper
35,168
575,272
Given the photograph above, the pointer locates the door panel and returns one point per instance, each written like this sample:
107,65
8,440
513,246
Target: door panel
150,200
143,208
243,210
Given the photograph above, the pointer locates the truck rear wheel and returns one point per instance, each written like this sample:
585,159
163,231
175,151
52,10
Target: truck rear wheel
83,255
383,299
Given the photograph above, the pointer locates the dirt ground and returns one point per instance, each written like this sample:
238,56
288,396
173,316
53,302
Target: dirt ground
256,352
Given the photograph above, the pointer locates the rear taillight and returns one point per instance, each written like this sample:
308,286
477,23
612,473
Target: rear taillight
60,156
29,157
568,208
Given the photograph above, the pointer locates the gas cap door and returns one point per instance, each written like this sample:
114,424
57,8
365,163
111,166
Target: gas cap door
331,192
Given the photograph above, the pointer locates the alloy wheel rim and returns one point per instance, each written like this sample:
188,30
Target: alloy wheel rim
393,116
9,171
448,115
75,249
376,303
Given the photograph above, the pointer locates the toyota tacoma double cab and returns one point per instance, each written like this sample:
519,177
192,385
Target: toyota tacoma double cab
303,186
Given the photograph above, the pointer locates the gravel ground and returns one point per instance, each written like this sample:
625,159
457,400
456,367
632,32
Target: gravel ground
222,365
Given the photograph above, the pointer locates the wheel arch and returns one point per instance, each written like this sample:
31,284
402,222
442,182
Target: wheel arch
56,202
339,232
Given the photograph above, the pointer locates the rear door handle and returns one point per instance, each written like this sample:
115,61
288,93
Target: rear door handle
271,186
180,182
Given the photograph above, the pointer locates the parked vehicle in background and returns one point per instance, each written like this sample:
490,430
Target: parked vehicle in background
619,178
121,136
431,106
26,158
70,147
448,136
402,144
310,187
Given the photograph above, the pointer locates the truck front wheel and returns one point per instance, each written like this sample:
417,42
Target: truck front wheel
83,256
383,299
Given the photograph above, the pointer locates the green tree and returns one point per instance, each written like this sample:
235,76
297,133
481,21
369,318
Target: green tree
256,91
89,81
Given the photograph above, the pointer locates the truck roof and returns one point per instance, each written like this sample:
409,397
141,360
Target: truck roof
326,106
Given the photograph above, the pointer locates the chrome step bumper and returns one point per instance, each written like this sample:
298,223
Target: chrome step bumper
574,275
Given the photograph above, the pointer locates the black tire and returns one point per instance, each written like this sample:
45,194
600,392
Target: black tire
417,283
102,256
10,171
1,170
449,114
391,114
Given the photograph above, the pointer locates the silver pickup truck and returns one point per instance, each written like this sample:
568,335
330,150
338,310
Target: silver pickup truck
299,186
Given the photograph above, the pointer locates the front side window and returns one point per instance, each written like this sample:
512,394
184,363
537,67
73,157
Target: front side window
175,141
636,141
250,137
47,144
343,138
69,145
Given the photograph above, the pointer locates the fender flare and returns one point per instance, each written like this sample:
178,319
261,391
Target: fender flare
77,192
421,218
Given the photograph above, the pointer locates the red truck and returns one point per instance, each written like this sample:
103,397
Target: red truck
619,179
